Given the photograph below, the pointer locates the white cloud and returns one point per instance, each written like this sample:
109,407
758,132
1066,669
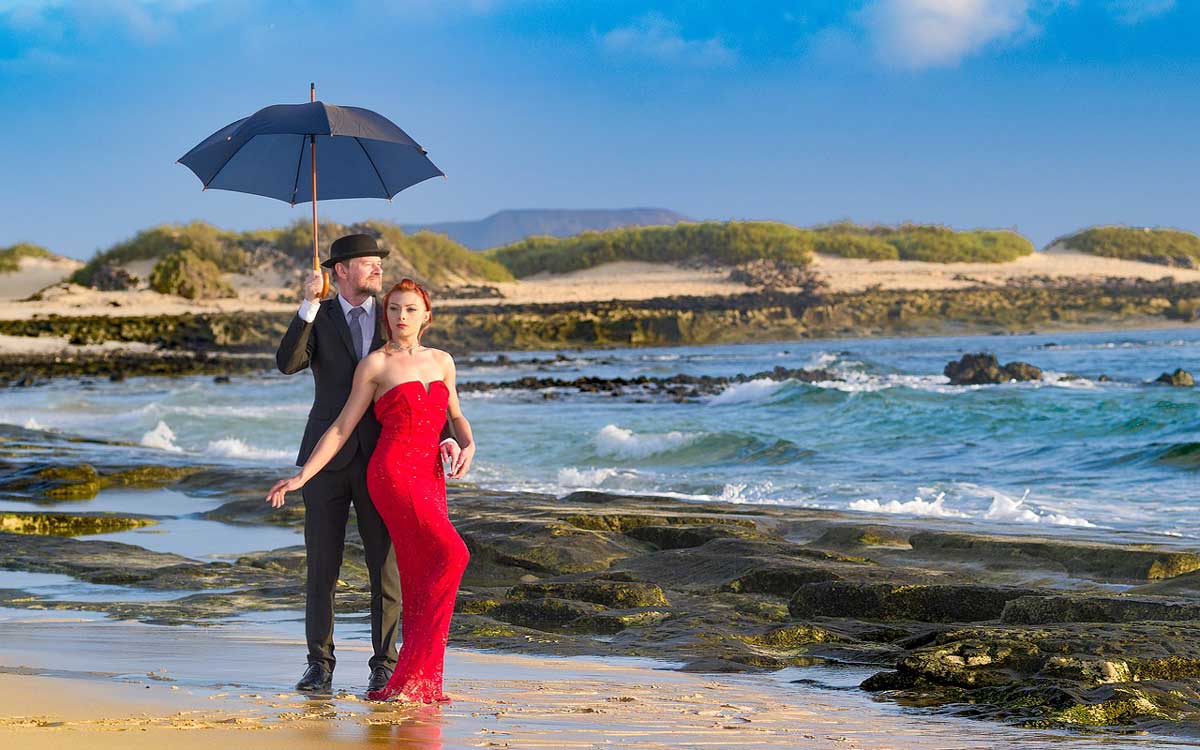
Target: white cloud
1136,11
919,34
658,38
145,19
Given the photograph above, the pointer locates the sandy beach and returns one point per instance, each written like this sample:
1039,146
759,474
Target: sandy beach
626,280
229,686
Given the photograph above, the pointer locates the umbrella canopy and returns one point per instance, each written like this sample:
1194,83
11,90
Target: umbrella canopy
361,154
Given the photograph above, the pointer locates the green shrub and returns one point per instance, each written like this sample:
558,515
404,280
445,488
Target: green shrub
436,257
202,239
935,244
10,257
1170,246
848,245
186,274
722,243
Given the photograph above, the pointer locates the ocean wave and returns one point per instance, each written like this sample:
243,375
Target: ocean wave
1009,510
161,437
752,391
1002,509
1186,455
619,442
232,447
918,506
693,448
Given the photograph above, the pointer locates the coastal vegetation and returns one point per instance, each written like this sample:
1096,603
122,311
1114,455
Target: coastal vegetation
11,256
433,258
924,242
716,243
188,275
1170,247
735,243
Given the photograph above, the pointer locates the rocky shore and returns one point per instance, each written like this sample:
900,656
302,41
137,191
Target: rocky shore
1087,629
208,343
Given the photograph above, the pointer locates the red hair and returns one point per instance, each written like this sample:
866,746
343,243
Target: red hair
407,285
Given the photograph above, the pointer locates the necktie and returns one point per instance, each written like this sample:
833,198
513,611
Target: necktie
356,334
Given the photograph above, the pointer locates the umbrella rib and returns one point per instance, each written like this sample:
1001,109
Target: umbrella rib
296,184
368,155
226,162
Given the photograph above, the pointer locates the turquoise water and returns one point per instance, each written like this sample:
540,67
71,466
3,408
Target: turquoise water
893,437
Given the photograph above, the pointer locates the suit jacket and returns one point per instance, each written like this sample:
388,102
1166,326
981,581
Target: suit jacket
325,346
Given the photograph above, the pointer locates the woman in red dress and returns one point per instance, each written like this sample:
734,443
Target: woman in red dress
413,391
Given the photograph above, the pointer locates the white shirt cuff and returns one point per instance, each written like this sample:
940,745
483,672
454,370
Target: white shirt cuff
308,310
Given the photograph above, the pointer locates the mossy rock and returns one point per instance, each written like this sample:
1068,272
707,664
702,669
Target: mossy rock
54,482
1110,562
893,601
148,477
65,524
617,594
852,536
779,580
794,635
543,614
475,605
608,623
1040,610
681,536
623,522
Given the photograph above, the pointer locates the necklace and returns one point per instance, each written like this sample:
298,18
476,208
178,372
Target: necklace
395,347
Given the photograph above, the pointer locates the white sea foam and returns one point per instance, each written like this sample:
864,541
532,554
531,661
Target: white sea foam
619,442
1005,508
161,437
749,392
232,447
33,424
918,506
606,477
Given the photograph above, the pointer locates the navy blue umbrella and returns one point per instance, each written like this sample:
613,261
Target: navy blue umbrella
273,152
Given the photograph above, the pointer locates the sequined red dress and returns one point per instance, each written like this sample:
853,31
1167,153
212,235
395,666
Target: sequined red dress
407,485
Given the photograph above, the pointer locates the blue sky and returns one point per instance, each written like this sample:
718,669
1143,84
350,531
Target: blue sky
1039,115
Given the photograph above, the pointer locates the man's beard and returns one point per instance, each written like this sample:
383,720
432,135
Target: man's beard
371,286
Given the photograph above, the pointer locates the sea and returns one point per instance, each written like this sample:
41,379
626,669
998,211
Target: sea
1095,444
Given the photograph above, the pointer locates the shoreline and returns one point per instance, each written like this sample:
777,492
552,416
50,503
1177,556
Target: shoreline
172,690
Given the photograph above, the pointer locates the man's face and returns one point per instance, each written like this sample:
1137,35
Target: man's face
362,275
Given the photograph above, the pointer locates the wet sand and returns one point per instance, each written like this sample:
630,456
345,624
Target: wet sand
89,681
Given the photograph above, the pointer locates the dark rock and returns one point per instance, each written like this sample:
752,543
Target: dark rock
680,536
892,601
983,369
543,613
1108,562
69,524
615,594
780,580
1180,378
1039,610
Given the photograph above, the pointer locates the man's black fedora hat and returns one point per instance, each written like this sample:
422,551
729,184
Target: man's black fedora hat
353,246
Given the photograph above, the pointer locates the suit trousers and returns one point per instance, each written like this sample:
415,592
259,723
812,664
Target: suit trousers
327,500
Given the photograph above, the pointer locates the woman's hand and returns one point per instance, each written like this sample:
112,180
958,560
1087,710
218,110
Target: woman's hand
281,488
450,450
462,464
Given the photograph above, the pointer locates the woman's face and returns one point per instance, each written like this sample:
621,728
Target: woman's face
406,313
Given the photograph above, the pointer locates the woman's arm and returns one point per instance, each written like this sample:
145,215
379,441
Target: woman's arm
462,428
361,393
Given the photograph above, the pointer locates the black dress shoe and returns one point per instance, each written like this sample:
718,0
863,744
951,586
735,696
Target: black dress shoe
379,678
317,679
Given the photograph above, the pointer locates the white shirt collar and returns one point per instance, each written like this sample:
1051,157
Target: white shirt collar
368,305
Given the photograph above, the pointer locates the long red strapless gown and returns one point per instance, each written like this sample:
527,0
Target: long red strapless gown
407,485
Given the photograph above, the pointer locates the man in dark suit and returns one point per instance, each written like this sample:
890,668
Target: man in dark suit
330,337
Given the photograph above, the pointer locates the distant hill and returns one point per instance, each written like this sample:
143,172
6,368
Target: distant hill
507,227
